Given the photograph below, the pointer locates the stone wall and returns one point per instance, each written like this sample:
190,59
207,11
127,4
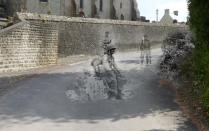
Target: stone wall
38,40
28,45
85,35
86,38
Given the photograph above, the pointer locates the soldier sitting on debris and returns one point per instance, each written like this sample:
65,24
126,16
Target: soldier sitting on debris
109,76
108,50
145,48
98,62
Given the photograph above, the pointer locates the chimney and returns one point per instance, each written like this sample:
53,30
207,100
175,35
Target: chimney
167,12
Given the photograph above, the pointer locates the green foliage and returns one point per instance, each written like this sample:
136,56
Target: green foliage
187,68
206,99
202,71
199,23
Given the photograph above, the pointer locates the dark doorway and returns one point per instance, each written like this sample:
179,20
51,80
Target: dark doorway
133,12
114,13
94,11
73,8
122,17
81,4
101,5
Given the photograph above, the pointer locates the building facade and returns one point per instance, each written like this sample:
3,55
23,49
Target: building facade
34,6
2,8
167,19
104,9
123,9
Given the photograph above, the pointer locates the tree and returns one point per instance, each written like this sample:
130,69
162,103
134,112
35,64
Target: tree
199,21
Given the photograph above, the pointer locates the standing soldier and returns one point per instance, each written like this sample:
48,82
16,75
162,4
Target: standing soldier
145,48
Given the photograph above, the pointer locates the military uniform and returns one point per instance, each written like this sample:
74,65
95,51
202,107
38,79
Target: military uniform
106,43
145,48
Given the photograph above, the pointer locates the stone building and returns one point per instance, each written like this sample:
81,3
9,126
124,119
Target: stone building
34,6
166,19
105,9
123,9
73,7
2,8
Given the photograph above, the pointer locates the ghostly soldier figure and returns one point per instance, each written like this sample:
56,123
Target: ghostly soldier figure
108,50
111,74
145,48
99,61
111,48
107,41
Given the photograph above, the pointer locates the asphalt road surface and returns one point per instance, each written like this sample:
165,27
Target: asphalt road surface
70,98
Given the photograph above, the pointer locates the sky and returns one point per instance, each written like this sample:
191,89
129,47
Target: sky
148,8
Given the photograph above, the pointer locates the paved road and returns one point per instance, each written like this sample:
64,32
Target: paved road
42,103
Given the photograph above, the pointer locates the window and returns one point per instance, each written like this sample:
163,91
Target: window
101,5
121,5
81,4
43,0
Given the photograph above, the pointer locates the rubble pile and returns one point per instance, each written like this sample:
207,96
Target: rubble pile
175,48
87,88
107,81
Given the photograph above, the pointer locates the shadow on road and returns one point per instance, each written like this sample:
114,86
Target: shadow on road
42,97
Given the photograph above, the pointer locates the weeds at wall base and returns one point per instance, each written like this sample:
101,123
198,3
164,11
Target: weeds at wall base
195,91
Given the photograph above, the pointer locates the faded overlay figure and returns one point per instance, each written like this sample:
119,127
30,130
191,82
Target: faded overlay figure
107,41
98,63
108,50
106,69
145,48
